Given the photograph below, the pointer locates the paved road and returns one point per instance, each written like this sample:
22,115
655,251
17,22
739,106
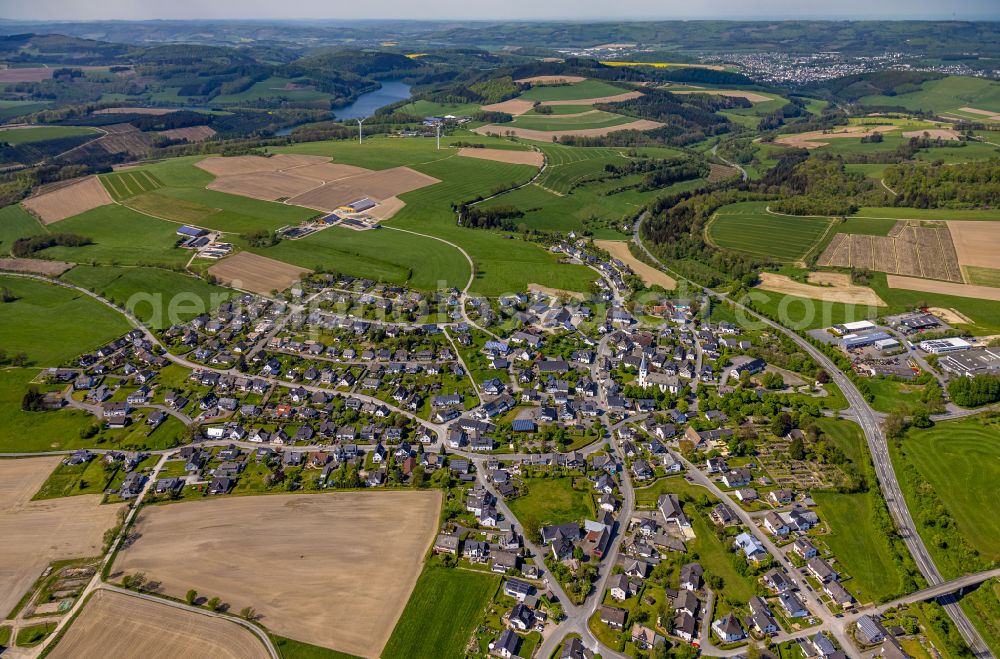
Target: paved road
879,449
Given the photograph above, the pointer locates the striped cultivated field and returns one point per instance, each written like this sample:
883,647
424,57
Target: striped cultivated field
748,227
129,183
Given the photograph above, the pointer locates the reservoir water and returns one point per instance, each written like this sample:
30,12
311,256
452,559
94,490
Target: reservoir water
366,104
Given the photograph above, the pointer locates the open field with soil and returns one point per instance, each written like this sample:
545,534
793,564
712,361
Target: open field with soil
550,80
35,266
533,158
749,227
933,133
39,532
325,551
252,272
548,135
818,138
230,166
379,185
116,625
976,243
944,287
833,292
64,201
647,273
911,248
514,106
613,98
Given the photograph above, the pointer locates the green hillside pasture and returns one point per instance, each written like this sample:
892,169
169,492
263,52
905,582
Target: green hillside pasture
868,226
961,461
901,213
15,222
53,324
854,539
502,265
35,431
562,122
582,90
272,88
130,182
424,108
160,297
15,136
384,255
441,614
121,236
10,109
982,276
567,165
748,227
945,95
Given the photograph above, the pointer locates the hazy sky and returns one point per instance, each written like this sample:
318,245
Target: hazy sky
516,9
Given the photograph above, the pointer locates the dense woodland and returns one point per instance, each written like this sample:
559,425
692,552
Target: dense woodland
966,185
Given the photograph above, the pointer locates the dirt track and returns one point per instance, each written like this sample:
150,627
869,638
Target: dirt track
124,627
547,135
533,158
944,287
69,200
37,532
838,289
647,273
252,272
332,569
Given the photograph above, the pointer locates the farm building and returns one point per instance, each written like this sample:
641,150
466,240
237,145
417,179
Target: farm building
191,232
941,346
358,205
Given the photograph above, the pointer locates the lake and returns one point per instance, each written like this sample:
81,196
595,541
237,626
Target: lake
390,92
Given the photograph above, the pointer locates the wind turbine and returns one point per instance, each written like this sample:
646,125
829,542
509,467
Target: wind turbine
360,121
439,136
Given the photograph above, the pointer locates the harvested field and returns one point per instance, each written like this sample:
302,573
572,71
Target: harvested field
817,138
36,266
647,273
116,625
533,158
229,166
386,208
68,200
514,106
125,110
269,186
547,135
259,274
944,287
922,249
191,133
555,292
35,533
933,133
550,80
377,185
327,171
840,291
324,552
118,138
626,96
976,243
750,96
